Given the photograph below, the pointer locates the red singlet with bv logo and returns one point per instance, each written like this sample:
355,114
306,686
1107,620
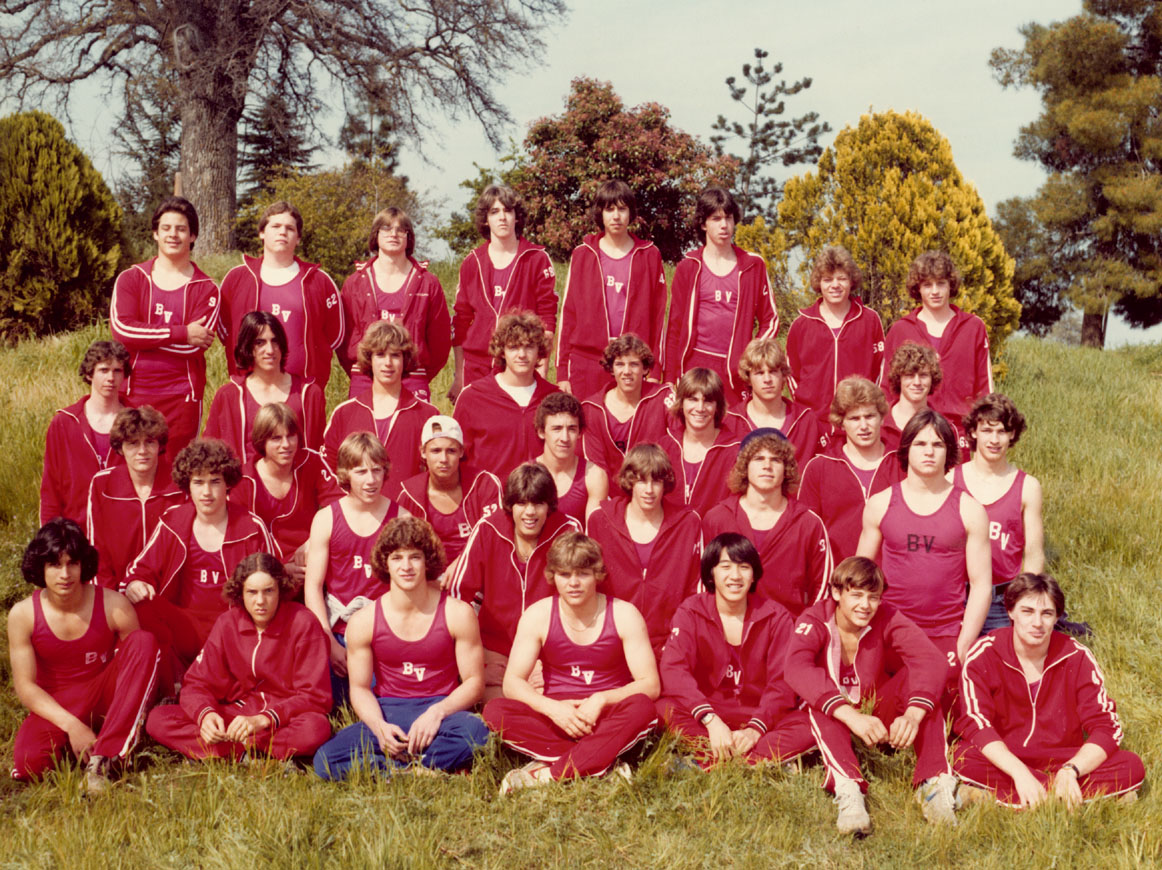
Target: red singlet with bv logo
414,668
574,670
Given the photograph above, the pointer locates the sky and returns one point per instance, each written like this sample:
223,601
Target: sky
928,56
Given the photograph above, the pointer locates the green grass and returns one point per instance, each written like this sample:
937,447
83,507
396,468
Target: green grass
1093,442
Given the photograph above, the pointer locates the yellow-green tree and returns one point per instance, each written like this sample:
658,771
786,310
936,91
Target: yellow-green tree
888,190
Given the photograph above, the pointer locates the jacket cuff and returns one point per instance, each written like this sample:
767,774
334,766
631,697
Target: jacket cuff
757,724
833,703
700,710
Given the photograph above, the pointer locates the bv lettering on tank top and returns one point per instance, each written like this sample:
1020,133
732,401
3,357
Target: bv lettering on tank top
500,281
285,301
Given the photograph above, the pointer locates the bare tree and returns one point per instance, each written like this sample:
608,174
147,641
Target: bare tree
422,55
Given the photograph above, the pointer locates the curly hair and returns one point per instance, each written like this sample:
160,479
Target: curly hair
574,551
627,345
253,564
763,353
267,421
104,351
995,408
515,329
612,193
832,259
249,331
646,462
710,200
206,456
933,266
508,197
558,403
529,483
912,357
132,424
386,219
408,533
381,337
854,392
704,381
357,448
779,447
944,432
54,539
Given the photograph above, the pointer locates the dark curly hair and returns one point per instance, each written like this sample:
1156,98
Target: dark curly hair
408,533
835,258
133,423
517,328
253,564
210,456
56,538
995,408
627,345
912,357
783,452
104,351
933,266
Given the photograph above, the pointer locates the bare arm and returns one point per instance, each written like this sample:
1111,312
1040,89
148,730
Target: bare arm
465,630
1033,559
318,557
870,538
119,613
360,667
597,485
978,560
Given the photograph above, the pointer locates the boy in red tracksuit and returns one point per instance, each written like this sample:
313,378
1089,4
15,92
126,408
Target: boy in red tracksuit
387,408
299,293
86,692
651,548
260,682
393,285
78,442
722,669
836,337
166,311
615,285
498,412
176,582
721,294
507,273
841,659
126,501
960,339
502,567
1034,716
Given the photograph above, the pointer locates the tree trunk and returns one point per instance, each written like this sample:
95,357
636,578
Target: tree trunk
209,170
1093,329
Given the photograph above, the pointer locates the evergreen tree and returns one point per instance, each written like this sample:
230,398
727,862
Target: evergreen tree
362,139
60,230
1099,135
274,143
767,137
888,190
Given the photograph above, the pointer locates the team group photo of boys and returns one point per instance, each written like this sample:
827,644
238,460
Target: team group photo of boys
636,517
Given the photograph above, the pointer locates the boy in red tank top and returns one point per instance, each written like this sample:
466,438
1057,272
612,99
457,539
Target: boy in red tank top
1011,498
416,666
931,538
600,676
80,663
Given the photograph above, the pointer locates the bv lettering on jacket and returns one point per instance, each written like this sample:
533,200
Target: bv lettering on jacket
576,671
409,668
497,290
915,542
733,673
995,534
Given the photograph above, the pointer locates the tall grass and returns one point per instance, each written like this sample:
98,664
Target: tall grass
1093,442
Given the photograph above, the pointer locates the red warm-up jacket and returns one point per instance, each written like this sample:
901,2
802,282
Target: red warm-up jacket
70,461
647,426
829,487
312,487
498,433
227,418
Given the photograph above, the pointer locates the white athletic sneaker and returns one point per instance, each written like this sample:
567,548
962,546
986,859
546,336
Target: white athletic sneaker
523,777
937,799
96,776
622,770
853,817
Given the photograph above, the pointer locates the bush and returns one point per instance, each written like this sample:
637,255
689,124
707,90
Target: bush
60,230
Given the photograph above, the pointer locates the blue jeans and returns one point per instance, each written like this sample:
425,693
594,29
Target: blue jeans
997,617
459,735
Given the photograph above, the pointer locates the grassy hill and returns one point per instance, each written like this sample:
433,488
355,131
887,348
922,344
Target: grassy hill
1093,441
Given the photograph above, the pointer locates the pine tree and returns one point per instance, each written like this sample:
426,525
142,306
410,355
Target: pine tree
1099,135
888,190
60,230
273,143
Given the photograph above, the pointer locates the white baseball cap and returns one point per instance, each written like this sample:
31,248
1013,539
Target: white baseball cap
441,426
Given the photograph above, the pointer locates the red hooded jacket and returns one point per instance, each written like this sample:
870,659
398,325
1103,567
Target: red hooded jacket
585,328
696,666
227,418
709,486
425,314
323,328
820,359
968,372
673,572
795,553
119,523
481,496
756,304
70,461
133,323
829,487
498,433
489,575
814,658
283,667
312,487
532,286
1071,707
403,435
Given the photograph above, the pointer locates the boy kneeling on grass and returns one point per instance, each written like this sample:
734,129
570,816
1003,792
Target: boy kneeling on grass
600,676
850,648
